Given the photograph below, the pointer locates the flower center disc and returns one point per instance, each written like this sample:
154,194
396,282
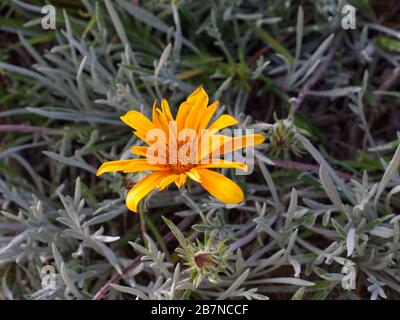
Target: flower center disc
182,163
181,167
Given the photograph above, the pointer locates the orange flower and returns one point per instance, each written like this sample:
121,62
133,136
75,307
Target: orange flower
183,147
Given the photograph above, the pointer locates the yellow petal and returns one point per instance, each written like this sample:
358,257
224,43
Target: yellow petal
136,165
142,136
198,101
112,166
208,114
194,175
154,115
166,109
143,151
167,181
183,111
137,121
220,187
222,122
157,139
188,112
220,163
180,180
139,150
159,119
143,188
219,144
209,141
242,142
172,131
198,97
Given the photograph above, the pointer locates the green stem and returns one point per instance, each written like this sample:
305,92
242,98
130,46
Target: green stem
188,292
142,222
156,235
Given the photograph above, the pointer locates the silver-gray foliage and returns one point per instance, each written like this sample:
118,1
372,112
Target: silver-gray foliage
331,237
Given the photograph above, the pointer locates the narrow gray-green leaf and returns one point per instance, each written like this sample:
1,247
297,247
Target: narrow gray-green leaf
234,286
389,172
68,282
329,188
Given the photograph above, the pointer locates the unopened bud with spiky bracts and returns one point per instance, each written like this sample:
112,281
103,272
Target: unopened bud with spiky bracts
208,260
282,137
204,260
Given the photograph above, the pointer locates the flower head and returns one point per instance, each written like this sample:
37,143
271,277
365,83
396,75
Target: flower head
186,146
282,138
208,260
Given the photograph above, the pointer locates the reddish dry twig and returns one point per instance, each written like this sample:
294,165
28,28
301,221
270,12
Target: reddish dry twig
264,50
104,289
317,74
391,79
243,241
117,277
23,128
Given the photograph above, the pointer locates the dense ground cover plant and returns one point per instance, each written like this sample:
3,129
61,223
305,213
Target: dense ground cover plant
320,217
